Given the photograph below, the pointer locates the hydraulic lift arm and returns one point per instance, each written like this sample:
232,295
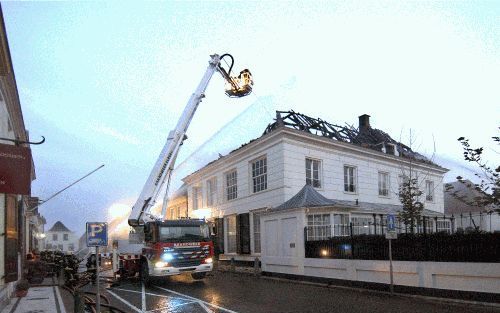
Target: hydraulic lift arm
161,173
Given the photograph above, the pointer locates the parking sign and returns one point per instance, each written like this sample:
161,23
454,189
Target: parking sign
97,234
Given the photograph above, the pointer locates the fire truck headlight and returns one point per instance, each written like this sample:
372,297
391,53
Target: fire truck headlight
167,257
208,260
160,264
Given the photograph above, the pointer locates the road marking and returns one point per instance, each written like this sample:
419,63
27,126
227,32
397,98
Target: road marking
172,307
205,307
124,301
196,299
143,297
61,303
153,294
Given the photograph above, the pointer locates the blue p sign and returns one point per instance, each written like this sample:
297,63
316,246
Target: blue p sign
97,234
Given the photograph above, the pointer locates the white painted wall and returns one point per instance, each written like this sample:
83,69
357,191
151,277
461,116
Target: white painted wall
286,151
480,277
333,159
72,239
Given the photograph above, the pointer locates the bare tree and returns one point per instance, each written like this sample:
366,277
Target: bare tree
489,178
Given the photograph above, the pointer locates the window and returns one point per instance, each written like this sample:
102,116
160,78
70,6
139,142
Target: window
54,237
313,170
340,224
60,247
259,174
361,225
212,192
429,190
231,233
71,247
231,185
383,184
178,212
65,237
197,198
443,226
256,232
349,179
319,227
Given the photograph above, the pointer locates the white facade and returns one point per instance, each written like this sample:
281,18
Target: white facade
61,238
285,152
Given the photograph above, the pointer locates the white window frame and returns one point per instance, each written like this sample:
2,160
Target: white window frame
212,192
258,172
384,179
362,224
311,180
429,191
256,229
348,178
230,241
443,226
231,191
318,229
197,198
327,226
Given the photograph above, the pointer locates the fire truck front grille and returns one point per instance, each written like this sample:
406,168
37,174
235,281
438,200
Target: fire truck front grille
186,263
189,256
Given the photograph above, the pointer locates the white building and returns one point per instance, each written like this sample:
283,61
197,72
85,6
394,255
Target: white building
357,169
59,237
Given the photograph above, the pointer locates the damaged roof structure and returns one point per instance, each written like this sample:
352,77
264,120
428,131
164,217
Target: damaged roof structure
364,136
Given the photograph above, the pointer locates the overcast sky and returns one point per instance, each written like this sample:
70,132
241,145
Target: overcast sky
106,82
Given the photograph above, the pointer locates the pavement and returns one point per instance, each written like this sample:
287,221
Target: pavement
40,299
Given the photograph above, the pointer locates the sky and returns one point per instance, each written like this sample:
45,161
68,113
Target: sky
105,82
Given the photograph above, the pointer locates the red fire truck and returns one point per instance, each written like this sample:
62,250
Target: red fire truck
158,247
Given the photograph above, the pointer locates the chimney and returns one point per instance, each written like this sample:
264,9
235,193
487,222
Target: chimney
364,122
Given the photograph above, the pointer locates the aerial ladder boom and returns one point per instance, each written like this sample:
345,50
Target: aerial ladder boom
162,171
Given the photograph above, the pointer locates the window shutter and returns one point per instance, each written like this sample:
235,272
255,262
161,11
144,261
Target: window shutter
219,238
243,233
12,238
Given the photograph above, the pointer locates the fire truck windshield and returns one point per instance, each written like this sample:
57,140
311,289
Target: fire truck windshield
184,233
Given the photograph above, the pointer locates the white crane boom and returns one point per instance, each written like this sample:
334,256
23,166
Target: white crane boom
162,170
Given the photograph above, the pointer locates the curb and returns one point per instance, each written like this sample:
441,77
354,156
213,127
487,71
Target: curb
405,295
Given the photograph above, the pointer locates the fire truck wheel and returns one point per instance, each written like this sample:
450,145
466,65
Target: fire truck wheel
198,275
144,273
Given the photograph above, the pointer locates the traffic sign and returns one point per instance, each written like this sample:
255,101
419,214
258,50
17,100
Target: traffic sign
97,234
391,222
391,235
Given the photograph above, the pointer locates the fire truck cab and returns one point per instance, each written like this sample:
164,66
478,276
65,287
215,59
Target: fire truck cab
175,247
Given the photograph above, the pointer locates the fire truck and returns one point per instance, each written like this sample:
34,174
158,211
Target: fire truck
159,247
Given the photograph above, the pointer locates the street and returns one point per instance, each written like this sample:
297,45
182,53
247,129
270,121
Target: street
230,292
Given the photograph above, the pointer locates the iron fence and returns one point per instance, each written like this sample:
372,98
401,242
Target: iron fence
321,242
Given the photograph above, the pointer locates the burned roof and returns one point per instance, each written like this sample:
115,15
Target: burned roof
364,135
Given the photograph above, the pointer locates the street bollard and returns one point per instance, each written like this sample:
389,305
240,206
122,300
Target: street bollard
78,302
233,267
256,266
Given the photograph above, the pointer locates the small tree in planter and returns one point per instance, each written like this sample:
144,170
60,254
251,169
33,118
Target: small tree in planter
22,288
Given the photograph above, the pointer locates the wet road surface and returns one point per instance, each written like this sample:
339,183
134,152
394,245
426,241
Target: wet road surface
223,292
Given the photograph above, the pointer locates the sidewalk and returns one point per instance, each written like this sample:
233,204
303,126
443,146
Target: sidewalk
40,299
